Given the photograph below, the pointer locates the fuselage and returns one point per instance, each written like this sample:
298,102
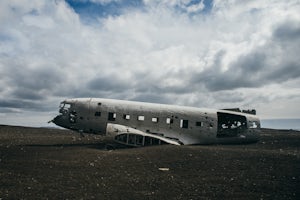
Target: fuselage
183,125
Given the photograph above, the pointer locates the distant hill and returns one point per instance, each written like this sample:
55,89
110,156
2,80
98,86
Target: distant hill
281,123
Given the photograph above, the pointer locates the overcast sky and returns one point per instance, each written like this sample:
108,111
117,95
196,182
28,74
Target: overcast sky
216,54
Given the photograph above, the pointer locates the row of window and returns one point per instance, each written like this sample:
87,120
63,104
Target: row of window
183,122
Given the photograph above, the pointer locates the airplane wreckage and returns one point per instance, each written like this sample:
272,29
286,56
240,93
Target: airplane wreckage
143,124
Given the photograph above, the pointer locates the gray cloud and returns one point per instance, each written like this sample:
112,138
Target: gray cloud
289,30
23,105
27,93
215,79
152,97
32,84
263,65
9,110
109,83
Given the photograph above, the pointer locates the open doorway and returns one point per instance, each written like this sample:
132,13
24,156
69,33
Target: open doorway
230,125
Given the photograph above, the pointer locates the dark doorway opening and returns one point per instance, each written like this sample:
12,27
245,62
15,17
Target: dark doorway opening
230,125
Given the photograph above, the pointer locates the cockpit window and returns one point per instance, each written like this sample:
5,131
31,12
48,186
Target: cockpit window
64,107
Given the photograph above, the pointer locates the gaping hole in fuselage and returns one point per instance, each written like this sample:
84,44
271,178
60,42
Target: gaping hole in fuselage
230,125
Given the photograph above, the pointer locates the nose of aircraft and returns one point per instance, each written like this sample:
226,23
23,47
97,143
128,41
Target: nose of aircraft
61,120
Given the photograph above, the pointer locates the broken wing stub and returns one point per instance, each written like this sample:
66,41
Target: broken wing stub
134,137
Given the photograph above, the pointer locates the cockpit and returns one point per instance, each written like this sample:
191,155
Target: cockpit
67,117
64,107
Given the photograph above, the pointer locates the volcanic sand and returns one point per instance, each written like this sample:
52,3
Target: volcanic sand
44,163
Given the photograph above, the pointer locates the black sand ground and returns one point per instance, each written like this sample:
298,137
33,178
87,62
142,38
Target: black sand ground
38,163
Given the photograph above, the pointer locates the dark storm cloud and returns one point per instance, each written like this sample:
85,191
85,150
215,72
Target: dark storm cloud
263,65
243,73
149,83
228,96
152,97
157,88
141,88
36,79
287,72
10,104
32,84
27,93
14,103
109,83
289,30
9,110
28,88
